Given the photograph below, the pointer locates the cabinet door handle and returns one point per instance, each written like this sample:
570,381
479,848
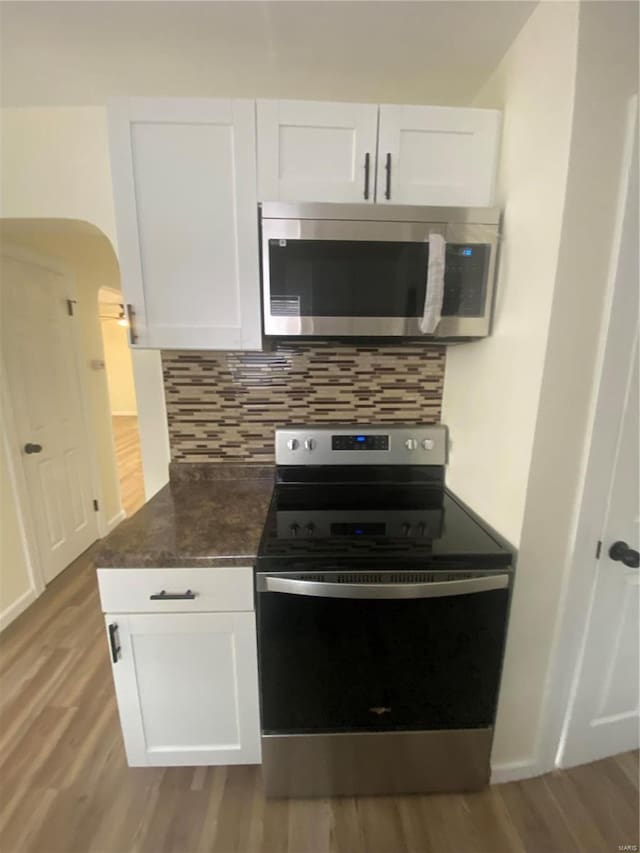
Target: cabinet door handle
387,192
367,159
163,595
131,317
113,642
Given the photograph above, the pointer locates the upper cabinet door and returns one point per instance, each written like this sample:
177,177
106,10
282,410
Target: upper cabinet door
437,155
316,151
184,177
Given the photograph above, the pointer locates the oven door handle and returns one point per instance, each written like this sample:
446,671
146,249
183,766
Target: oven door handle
433,589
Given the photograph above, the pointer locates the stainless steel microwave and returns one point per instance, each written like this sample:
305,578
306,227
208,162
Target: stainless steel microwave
341,270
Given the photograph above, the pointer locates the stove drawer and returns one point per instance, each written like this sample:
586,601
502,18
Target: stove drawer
176,590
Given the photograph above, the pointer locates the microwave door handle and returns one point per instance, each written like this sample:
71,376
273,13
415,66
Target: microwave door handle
435,589
367,160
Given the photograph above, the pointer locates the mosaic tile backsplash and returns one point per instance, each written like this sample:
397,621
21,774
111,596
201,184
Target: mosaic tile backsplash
224,406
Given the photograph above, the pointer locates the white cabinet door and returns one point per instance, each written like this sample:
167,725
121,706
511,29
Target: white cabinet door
437,155
316,151
187,687
184,177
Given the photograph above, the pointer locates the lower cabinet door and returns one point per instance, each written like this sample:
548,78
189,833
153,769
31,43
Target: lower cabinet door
187,687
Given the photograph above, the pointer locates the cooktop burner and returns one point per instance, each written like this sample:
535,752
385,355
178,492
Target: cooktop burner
376,508
423,524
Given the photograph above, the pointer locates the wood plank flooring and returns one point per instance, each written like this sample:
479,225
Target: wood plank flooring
65,786
129,461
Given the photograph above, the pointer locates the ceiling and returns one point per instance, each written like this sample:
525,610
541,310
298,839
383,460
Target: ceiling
72,53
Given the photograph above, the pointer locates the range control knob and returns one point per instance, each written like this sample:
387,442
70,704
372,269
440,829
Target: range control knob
411,444
406,528
428,443
421,528
293,529
292,443
309,443
310,528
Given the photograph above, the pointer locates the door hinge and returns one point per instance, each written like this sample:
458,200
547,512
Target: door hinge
598,549
96,506
70,304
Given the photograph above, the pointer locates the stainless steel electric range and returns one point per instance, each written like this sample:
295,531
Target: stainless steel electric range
382,608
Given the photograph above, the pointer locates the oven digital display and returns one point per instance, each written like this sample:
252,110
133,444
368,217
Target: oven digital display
360,442
367,528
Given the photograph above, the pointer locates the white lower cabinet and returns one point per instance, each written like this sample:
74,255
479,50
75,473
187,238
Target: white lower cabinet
187,687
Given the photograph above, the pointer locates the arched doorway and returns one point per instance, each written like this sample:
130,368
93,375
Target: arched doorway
61,335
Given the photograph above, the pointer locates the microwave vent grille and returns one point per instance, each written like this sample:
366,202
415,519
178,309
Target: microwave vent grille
285,306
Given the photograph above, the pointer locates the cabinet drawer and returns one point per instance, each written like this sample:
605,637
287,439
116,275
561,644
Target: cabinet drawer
199,590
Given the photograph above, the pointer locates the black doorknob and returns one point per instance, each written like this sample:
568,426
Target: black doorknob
32,448
622,553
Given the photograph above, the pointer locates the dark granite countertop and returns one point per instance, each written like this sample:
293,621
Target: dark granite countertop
203,518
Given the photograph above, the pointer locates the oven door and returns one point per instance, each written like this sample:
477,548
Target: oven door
368,278
357,656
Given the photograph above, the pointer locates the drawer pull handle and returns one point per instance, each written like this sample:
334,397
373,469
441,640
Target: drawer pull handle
163,595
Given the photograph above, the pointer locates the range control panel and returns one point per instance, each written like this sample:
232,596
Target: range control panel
360,442
362,445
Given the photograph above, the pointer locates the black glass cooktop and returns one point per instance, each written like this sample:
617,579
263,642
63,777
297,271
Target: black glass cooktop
335,524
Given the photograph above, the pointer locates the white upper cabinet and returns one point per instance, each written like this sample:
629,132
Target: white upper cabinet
437,155
335,152
316,151
184,177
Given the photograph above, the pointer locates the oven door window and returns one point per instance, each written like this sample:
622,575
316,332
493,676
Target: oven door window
341,278
332,665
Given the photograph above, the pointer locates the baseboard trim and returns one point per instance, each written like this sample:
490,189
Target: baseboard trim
19,606
112,523
513,771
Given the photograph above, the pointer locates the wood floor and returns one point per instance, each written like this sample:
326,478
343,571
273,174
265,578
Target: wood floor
65,786
129,461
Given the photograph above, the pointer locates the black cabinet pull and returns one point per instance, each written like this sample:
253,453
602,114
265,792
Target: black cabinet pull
387,192
113,642
32,448
367,158
131,316
163,595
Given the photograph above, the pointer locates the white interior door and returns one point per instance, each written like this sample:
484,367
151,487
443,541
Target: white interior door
603,713
316,151
187,687
437,155
40,360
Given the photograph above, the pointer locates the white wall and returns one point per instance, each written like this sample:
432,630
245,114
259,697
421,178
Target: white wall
117,357
54,163
492,387
607,76
518,403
